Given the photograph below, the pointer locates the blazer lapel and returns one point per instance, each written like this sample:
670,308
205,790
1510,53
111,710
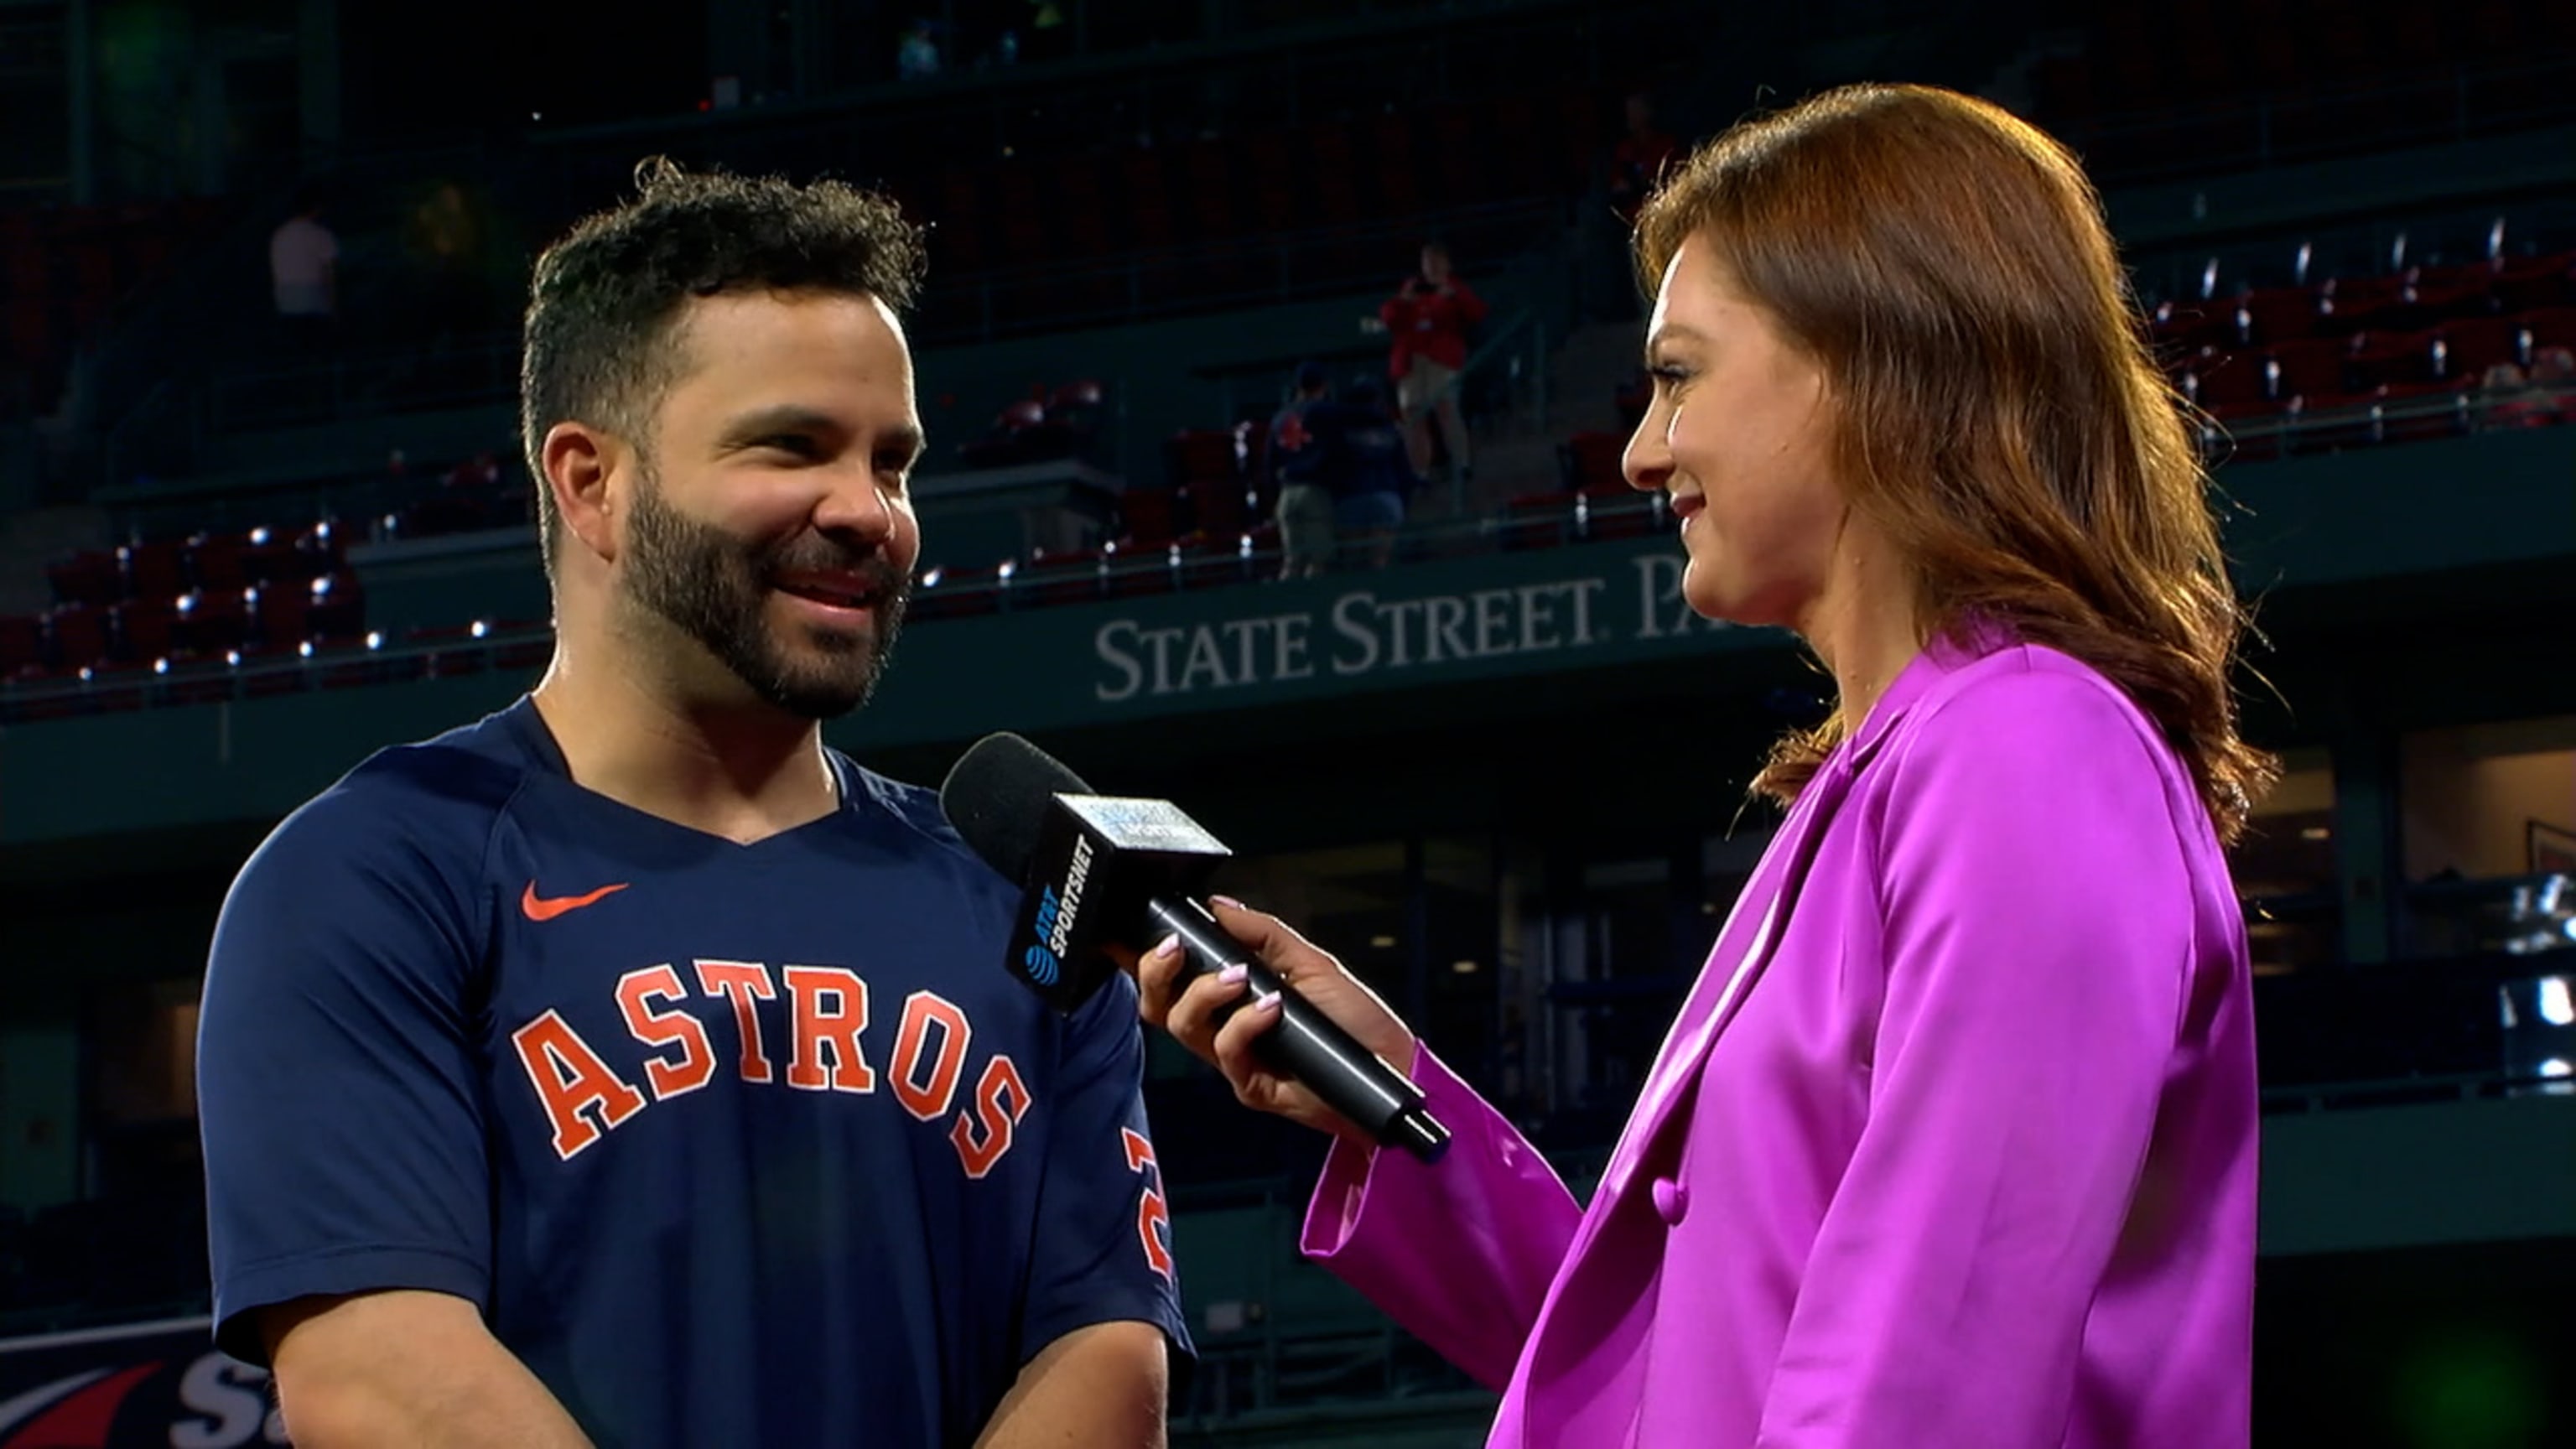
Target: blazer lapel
1742,958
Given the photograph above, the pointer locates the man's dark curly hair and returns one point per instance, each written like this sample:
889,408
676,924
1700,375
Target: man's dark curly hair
598,343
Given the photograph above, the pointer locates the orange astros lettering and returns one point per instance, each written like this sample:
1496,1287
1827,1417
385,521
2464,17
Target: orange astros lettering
546,908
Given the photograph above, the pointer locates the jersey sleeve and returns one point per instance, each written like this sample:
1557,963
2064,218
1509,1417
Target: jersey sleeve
337,1092
1103,1250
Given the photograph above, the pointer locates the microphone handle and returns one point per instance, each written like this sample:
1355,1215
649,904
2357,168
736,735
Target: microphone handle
1307,1044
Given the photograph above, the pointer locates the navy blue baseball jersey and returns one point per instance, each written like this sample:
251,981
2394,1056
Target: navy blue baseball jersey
732,1144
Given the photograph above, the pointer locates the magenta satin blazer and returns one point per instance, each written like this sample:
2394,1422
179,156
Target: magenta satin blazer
1951,1147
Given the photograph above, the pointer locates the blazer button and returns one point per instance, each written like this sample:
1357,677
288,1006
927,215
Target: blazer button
1671,1198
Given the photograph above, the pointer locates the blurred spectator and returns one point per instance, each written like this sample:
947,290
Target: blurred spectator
1638,161
916,55
449,245
2508,399
1427,322
1050,34
2553,371
303,271
1300,440
478,474
1366,471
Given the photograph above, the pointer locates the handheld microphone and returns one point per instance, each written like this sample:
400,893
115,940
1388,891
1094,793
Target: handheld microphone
1097,871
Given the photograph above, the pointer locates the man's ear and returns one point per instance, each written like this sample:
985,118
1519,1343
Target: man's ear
579,461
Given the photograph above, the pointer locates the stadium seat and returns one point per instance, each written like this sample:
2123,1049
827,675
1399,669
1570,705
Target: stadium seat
211,622
2310,370
1150,516
1201,454
156,570
2275,315
2219,381
2533,282
86,578
2391,360
1219,508
144,630
1588,462
2346,305
2550,327
2466,348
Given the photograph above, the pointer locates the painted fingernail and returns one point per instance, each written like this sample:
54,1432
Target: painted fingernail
1233,975
1229,902
1270,1005
1168,946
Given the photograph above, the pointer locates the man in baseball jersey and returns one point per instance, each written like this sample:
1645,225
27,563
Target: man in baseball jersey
630,1068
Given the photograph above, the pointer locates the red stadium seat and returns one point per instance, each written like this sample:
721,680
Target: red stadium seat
2531,282
2551,327
281,617
2468,348
216,561
157,570
2312,370
146,630
2275,315
1150,515
1218,507
2350,304
2219,381
1200,454
78,635
2185,329
2383,360
86,578
1589,462
211,622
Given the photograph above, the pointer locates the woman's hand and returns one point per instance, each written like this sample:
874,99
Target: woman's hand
1213,1018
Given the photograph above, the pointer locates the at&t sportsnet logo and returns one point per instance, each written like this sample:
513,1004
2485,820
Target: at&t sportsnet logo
143,1386
1056,916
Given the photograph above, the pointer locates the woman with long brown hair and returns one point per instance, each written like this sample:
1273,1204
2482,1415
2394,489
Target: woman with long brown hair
1953,1143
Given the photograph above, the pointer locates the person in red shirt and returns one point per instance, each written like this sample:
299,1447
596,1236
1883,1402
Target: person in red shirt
1427,321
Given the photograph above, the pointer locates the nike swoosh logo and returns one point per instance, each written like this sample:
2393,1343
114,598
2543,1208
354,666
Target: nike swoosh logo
546,908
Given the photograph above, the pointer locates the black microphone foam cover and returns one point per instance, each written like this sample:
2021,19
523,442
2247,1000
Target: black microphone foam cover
996,795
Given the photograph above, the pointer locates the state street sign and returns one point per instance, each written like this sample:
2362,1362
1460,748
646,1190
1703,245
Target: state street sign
1424,625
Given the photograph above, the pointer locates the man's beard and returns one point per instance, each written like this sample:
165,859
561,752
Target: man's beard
715,589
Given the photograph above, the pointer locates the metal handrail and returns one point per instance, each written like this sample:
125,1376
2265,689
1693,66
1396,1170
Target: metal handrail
1039,586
